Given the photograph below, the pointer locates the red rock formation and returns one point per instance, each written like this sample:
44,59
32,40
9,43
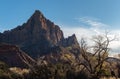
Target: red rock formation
13,56
37,36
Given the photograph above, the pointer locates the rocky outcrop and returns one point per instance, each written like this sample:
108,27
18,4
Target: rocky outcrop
71,40
38,36
14,57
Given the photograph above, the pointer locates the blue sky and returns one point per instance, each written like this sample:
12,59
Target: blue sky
81,17
64,12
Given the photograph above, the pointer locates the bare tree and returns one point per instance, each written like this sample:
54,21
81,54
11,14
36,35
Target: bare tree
94,59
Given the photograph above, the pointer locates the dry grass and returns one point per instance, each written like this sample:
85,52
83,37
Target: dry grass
19,70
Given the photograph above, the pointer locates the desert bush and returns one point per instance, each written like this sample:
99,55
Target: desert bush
3,66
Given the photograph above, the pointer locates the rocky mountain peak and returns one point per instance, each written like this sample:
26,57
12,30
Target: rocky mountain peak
37,15
37,20
37,36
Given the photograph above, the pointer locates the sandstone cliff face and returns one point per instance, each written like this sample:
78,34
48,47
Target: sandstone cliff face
37,36
13,56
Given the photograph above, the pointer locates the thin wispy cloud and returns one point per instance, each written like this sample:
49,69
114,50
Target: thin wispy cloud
92,22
